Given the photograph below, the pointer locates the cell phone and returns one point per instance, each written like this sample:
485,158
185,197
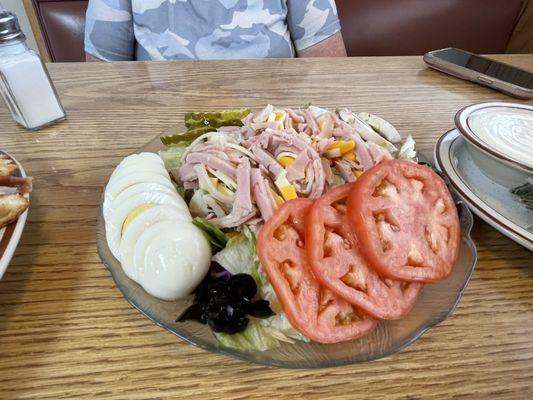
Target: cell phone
510,80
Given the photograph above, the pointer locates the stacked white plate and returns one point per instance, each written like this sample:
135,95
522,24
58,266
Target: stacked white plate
487,156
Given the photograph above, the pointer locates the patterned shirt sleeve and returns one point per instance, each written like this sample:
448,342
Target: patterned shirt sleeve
311,21
109,30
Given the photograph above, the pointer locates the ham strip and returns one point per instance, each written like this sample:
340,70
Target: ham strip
294,116
275,142
328,123
242,209
296,170
328,173
343,129
209,160
345,171
264,114
361,151
311,123
263,198
267,161
319,180
323,144
376,152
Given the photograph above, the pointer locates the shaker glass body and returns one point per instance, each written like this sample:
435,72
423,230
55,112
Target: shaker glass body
26,87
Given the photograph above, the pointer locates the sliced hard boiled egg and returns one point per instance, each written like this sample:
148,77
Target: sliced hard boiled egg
134,190
141,166
144,187
122,210
134,159
134,215
113,189
137,225
286,158
171,259
278,117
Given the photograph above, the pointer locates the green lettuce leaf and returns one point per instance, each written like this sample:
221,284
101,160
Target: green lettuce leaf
280,327
254,337
240,255
172,155
212,232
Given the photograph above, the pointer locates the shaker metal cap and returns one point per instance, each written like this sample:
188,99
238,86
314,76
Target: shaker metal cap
9,27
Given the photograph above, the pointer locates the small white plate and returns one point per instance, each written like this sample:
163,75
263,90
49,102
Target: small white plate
490,201
10,234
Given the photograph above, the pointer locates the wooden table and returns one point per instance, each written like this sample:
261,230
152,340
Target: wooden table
66,331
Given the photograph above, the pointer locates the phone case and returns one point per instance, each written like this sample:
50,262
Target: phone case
476,77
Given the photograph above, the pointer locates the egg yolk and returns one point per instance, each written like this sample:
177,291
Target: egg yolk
133,215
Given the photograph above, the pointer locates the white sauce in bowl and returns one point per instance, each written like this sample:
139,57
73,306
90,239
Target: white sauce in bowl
507,131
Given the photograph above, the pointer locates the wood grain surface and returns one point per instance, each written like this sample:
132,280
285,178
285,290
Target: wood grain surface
66,331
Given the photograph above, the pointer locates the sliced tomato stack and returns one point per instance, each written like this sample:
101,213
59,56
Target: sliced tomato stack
362,251
336,260
311,308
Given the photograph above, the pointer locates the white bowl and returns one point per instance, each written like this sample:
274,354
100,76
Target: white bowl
498,166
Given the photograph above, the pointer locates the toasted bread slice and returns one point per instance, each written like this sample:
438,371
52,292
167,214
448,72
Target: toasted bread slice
11,206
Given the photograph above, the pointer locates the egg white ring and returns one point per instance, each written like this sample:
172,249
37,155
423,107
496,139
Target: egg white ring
112,191
133,190
134,159
137,226
123,210
142,167
172,259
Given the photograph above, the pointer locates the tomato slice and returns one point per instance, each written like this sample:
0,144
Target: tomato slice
312,309
337,263
406,221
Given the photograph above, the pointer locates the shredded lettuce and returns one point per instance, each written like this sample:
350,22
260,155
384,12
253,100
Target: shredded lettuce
240,256
198,205
172,155
281,328
254,337
337,180
212,232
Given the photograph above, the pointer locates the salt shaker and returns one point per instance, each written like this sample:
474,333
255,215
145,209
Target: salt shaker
25,84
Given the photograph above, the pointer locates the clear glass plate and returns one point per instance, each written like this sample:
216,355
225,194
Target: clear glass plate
436,302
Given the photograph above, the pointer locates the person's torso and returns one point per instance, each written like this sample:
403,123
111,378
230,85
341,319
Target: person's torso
211,29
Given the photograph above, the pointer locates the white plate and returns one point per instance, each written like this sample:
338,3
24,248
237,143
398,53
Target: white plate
490,201
10,234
